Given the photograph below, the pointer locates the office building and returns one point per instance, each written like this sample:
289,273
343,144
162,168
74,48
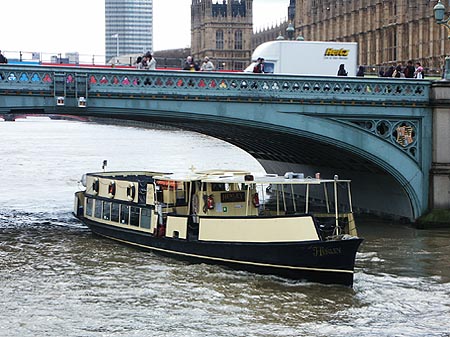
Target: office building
128,27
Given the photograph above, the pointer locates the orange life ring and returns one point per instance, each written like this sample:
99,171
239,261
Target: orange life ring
255,200
112,189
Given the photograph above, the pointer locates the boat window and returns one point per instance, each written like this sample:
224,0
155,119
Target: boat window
181,198
89,206
134,216
106,210
98,209
146,218
159,193
124,214
115,212
217,187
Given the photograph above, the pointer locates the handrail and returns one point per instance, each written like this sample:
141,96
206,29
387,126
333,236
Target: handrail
202,85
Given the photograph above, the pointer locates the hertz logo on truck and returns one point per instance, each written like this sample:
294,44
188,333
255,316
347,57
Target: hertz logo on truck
332,52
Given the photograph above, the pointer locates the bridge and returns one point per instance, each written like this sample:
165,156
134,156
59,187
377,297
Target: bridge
376,131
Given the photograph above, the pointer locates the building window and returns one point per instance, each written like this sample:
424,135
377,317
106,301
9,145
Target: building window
238,39
240,65
219,39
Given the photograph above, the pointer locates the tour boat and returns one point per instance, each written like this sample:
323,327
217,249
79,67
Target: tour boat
290,226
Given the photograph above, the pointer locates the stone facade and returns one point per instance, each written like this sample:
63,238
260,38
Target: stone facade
387,31
222,31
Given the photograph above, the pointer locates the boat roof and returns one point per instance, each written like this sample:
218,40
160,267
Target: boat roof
221,177
232,177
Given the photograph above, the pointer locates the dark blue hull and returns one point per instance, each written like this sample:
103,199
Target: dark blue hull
330,262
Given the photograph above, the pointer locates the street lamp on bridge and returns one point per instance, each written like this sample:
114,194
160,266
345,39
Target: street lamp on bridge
290,31
439,12
117,46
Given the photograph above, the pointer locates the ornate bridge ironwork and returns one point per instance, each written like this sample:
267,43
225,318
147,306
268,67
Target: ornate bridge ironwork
73,81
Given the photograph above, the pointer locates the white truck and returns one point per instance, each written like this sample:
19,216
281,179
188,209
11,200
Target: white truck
306,57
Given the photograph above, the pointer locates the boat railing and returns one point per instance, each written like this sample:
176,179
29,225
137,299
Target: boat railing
345,223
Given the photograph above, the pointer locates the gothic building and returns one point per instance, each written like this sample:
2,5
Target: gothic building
387,31
222,31
269,34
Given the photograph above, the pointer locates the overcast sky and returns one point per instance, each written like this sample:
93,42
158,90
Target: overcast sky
59,26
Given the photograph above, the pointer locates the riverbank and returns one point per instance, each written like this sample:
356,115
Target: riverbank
436,218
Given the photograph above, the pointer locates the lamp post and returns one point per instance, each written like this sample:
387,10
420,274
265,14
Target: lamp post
290,31
439,12
117,45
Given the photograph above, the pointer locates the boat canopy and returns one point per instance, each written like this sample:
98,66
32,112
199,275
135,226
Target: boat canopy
231,177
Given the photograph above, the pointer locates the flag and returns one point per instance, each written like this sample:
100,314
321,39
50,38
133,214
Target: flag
115,35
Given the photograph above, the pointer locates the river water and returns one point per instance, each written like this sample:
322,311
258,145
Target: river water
57,279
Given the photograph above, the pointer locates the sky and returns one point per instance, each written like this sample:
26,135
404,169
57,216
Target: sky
60,26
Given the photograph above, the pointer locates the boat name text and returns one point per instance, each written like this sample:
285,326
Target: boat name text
232,197
321,251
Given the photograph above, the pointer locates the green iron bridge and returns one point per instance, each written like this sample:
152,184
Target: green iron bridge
375,131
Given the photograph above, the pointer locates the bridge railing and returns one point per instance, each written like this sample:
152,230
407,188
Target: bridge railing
260,87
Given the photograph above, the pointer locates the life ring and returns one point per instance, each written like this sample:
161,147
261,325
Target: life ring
131,192
95,186
112,189
255,200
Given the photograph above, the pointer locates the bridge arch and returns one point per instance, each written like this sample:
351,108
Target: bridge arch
285,141
333,125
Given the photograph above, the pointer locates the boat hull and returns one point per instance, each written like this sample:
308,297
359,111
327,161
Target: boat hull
329,262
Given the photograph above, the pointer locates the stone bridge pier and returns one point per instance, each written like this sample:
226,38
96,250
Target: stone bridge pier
439,193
